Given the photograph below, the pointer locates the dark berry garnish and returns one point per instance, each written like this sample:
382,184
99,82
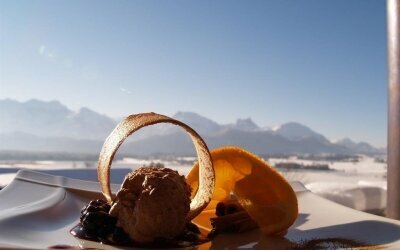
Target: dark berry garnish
191,237
192,227
97,202
231,208
220,209
212,234
96,220
97,224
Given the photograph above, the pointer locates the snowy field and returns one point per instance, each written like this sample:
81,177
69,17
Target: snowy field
87,170
357,184
360,185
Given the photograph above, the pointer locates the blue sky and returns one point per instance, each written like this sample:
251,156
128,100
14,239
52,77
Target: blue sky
320,63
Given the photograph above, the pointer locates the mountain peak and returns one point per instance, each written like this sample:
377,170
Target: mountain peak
295,131
51,119
33,103
246,124
187,114
361,147
32,108
291,125
37,102
87,111
200,123
192,117
344,141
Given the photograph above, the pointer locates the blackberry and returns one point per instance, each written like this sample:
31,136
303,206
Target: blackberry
231,209
95,206
212,234
95,219
223,209
191,227
220,209
191,236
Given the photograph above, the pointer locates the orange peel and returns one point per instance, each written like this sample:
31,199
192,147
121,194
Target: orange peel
131,124
266,196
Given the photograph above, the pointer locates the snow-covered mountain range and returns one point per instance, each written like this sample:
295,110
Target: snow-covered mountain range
50,126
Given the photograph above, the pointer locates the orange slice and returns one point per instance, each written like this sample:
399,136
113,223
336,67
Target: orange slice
266,196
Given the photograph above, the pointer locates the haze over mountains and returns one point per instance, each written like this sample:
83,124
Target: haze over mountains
51,127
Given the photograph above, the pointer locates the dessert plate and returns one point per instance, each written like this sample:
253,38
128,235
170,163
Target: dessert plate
38,210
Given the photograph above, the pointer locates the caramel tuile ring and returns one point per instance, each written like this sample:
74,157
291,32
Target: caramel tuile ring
133,123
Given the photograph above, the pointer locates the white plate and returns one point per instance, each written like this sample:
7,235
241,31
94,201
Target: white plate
38,210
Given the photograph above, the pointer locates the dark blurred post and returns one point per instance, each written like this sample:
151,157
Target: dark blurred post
393,174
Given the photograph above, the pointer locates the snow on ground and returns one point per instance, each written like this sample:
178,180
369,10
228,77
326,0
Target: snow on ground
181,164
85,170
360,185
45,164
